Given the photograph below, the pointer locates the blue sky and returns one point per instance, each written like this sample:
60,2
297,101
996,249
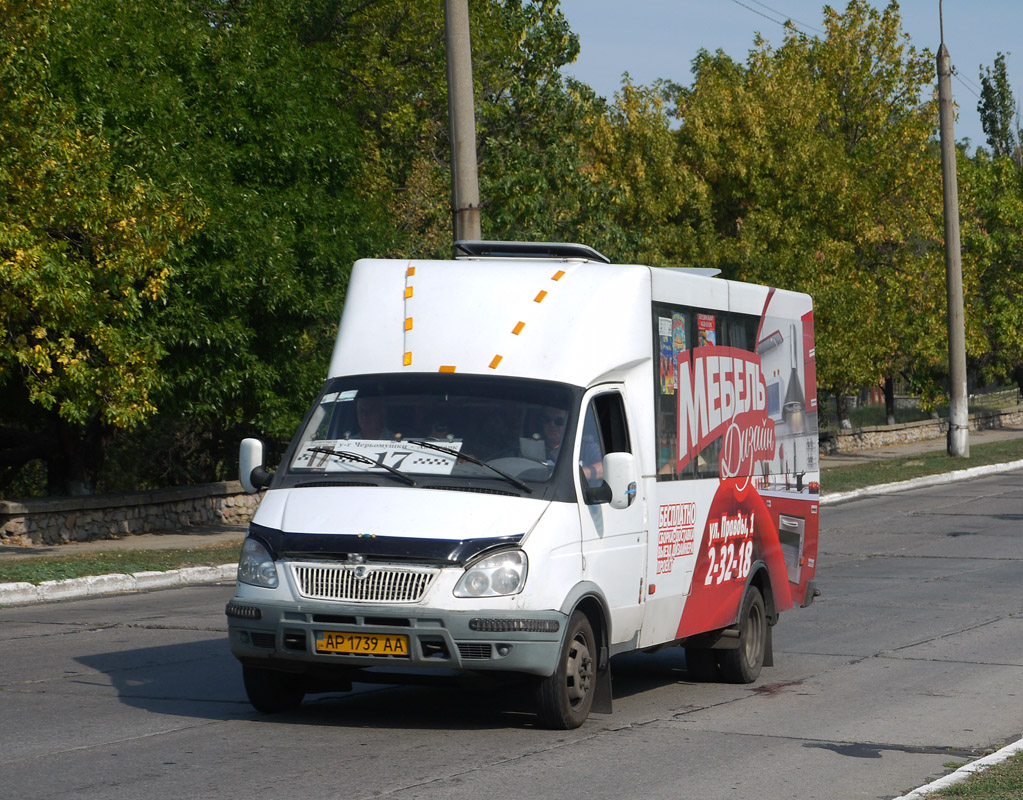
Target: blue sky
653,39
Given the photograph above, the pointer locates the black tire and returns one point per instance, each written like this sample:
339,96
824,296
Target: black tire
271,691
702,664
743,664
563,700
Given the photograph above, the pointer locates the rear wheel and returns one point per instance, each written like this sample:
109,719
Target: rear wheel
743,664
563,700
271,691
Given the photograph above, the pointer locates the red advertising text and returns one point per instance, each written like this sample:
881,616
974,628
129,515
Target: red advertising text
721,392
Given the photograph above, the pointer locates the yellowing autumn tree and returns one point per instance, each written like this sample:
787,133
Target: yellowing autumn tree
823,177
655,198
81,263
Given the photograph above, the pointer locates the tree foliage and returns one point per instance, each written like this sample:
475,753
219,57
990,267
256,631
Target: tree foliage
247,151
84,248
993,240
185,184
818,160
657,200
999,112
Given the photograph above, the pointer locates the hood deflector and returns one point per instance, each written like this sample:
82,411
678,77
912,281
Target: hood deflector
337,546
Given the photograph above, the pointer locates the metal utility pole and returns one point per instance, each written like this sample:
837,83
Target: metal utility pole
959,415
465,189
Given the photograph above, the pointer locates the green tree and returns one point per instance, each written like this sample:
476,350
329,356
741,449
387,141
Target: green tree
992,233
532,125
239,108
992,225
83,265
288,139
822,178
656,200
999,112
534,130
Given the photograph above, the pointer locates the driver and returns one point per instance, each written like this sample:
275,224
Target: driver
371,414
553,423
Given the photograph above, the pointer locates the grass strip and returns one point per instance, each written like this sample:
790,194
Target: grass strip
1003,781
125,562
891,470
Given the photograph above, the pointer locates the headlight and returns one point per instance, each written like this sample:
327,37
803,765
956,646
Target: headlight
494,576
255,565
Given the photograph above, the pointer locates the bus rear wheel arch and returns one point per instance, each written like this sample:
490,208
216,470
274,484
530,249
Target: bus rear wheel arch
742,664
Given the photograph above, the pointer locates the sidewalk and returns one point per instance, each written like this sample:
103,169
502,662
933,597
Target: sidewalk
907,451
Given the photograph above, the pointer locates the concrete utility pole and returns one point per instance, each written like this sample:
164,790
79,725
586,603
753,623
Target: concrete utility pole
959,415
465,189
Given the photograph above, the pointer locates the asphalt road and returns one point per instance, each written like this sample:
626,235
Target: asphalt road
911,659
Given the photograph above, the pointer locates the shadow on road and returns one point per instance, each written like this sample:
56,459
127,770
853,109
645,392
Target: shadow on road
201,679
641,672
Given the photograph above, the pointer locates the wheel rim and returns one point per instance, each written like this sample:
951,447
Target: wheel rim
754,635
578,671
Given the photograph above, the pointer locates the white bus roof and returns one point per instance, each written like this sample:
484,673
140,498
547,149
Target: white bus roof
561,318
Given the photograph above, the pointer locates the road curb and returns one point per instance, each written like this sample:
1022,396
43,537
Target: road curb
964,772
919,483
96,585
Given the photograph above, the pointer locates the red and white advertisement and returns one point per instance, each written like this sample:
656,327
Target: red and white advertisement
752,415
721,393
740,532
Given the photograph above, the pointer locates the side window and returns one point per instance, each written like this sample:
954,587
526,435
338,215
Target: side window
686,339
605,430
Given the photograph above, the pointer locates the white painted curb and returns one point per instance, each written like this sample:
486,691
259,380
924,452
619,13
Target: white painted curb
918,483
964,772
95,585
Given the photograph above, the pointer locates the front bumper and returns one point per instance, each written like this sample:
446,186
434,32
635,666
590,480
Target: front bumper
284,636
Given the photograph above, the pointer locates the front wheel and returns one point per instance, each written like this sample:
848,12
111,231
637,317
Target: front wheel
271,691
743,664
563,700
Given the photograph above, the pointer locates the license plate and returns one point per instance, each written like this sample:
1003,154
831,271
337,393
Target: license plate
370,644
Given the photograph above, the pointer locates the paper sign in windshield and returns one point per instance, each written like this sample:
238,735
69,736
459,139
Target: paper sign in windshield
375,454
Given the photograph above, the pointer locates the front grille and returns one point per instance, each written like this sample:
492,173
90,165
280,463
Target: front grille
266,640
470,650
377,584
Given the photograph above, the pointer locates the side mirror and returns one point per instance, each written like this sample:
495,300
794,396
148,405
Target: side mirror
620,477
251,469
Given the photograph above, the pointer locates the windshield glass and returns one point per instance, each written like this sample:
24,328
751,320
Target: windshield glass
434,426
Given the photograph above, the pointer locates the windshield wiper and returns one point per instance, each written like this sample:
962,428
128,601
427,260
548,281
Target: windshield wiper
349,456
452,452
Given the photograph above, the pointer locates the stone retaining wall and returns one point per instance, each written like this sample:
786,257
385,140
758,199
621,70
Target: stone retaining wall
48,521
853,441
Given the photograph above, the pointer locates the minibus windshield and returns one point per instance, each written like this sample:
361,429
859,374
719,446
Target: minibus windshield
414,428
